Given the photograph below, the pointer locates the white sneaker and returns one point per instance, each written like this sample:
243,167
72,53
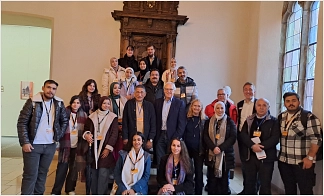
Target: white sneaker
72,193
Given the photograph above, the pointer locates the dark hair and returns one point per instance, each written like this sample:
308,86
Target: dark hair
154,69
140,86
142,59
149,45
83,94
74,97
288,94
129,144
51,82
184,156
182,67
130,46
102,99
248,83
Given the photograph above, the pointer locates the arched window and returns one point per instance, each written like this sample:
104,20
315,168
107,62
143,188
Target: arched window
298,55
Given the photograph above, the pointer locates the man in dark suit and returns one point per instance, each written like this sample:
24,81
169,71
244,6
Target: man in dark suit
139,115
170,120
152,61
245,108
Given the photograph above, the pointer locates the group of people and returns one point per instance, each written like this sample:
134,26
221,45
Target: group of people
109,137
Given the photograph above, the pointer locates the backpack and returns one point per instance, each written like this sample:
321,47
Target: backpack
303,119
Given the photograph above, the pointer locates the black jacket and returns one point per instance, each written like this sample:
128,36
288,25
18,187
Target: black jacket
128,62
129,120
226,146
153,92
157,64
187,186
239,111
270,134
202,145
29,119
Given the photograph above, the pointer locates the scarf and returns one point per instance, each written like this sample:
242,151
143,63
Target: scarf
142,73
128,178
129,60
104,127
169,170
113,97
217,159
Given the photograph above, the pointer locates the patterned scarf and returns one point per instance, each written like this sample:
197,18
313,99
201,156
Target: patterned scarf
169,170
217,159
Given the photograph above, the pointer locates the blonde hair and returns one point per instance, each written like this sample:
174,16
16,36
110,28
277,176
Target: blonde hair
201,113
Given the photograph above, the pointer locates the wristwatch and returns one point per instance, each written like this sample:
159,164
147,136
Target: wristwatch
310,158
151,140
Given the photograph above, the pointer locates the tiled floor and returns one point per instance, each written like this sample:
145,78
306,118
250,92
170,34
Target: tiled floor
11,174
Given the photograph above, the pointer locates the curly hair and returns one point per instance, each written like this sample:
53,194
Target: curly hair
184,156
84,91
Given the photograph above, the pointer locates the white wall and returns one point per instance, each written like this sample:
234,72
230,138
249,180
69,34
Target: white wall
25,56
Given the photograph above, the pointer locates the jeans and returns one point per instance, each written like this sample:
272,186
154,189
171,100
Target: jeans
99,181
292,175
198,165
161,146
61,171
256,169
36,164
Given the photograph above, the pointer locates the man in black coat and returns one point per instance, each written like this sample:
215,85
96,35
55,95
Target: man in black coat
154,87
260,133
139,115
41,124
153,61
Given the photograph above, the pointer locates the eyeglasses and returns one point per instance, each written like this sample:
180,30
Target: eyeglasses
220,94
168,89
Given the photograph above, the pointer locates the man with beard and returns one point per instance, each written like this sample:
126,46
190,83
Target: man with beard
300,140
41,124
154,87
186,89
152,61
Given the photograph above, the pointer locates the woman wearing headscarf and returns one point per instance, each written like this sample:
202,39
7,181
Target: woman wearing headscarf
101,130
143,74
70,161
132,171
219,137
117,106
128,83
170,75
175,174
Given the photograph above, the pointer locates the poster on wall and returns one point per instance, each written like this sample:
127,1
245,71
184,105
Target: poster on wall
26,90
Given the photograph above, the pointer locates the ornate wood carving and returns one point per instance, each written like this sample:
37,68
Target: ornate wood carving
150,22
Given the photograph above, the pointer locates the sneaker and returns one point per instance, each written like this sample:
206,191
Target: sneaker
72,193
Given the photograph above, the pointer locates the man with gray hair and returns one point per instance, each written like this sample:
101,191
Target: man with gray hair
259,136
186,89
170,120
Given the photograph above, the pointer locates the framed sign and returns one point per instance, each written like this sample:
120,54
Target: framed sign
26,90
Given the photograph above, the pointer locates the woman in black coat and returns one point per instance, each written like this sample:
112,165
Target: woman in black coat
219,137
129,59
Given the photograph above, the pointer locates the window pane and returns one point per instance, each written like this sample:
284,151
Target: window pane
288,87
288,59
309,91
311,60
312,37
294,73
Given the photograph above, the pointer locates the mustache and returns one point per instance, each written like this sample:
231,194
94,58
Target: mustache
291,105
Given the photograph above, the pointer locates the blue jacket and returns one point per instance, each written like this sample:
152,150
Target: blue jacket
176,122
142,185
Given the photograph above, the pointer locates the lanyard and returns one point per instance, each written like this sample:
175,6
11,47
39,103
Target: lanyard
136,160
139,109
259,124
130,82
48,111
90,102
74,120
100,121
175,168
288,123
